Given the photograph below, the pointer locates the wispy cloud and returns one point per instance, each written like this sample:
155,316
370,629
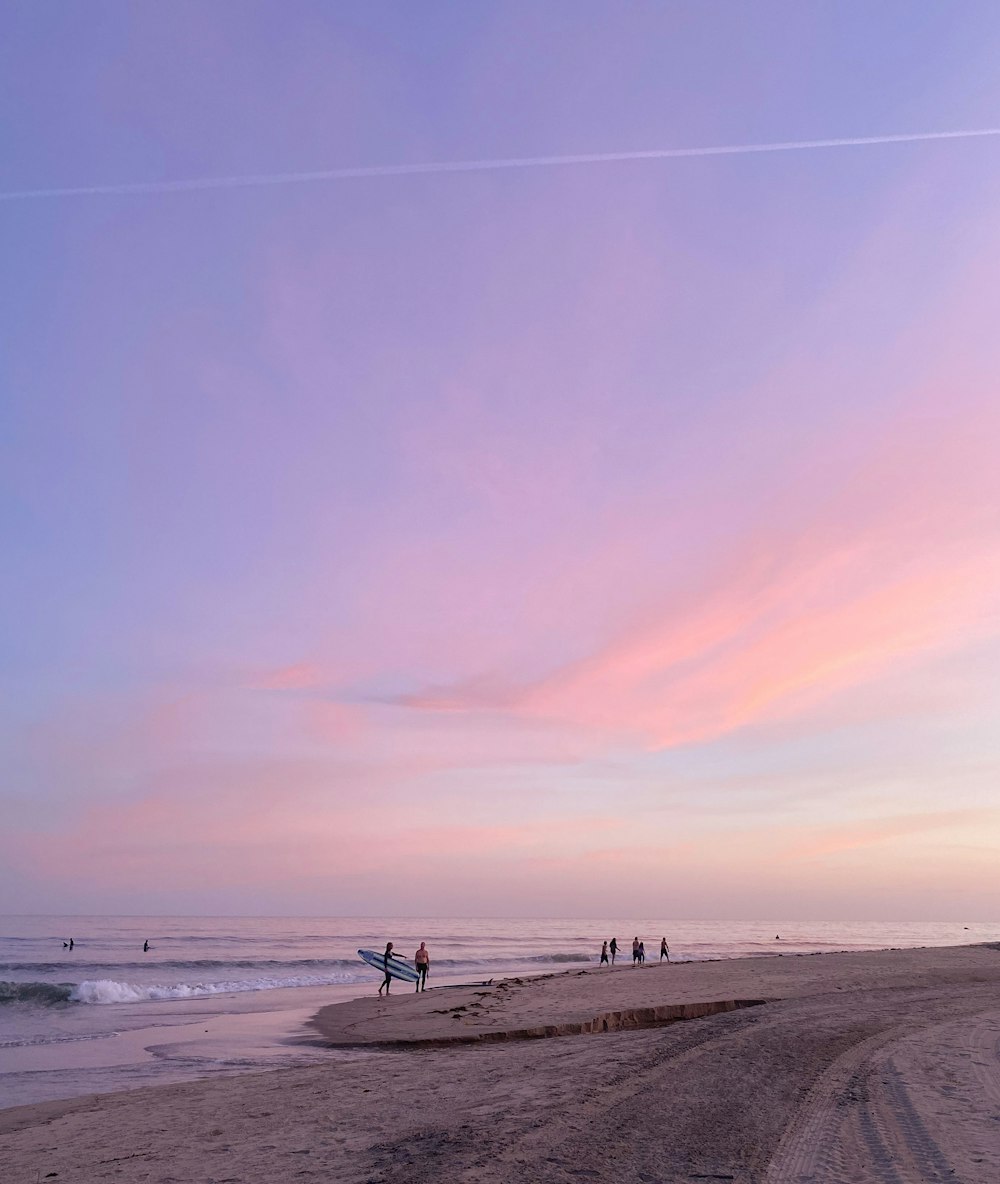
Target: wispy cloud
872,832
296,677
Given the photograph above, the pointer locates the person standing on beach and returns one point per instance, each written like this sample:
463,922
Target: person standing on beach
664,950
614,949
388,977
642,952
422,961
635,951
604,954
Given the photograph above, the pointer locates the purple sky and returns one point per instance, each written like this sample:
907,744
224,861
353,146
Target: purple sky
607,539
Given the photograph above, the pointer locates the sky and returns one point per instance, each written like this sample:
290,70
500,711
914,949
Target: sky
601,539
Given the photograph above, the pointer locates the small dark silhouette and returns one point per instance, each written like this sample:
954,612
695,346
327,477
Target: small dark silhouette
613,947
71,943
388,973
145,945
65,945
777,937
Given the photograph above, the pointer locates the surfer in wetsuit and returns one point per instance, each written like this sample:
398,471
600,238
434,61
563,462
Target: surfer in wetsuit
422,961
388,977
145,946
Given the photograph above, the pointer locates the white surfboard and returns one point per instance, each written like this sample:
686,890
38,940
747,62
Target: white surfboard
398,967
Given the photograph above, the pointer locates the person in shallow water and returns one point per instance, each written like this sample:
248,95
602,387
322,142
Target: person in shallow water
664,949
422,961
145,946
604,954
613,947
635,951
388,977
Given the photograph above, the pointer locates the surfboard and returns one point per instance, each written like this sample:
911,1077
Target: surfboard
398,967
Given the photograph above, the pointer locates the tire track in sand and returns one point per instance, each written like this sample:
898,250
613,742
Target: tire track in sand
859,1123
809,1149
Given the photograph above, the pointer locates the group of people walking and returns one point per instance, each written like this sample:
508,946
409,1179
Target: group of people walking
422,960
609,951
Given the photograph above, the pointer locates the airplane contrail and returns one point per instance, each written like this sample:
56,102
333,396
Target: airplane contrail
252,180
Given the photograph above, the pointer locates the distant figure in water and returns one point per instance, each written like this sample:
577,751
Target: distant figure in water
145,946
777,937
664,950
614,949
71,943
642,951
422,961
604,954
388,977
65,945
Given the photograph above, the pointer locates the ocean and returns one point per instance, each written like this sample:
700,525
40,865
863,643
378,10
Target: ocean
217,995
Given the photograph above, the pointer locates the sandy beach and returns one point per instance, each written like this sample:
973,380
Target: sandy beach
856,1067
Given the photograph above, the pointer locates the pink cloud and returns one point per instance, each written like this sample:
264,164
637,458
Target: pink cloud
335,723
286,678
901,563
819,842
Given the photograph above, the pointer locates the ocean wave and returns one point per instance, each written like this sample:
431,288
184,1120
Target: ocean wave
102,989
513,960
162,964
288,965
43,994
112,991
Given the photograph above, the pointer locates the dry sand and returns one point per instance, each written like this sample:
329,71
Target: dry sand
858,1068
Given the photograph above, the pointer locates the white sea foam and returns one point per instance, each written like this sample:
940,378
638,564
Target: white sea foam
108,990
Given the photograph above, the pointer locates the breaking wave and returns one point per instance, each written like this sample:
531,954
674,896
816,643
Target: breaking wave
148,964
43,994
307,972
291,966
106,990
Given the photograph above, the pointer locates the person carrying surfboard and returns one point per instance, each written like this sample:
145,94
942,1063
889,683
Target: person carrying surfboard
422,961
388,974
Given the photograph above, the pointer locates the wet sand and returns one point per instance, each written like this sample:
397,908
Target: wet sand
839,1068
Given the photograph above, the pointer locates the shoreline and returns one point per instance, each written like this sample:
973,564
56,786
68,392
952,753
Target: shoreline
105,1049
858,1065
